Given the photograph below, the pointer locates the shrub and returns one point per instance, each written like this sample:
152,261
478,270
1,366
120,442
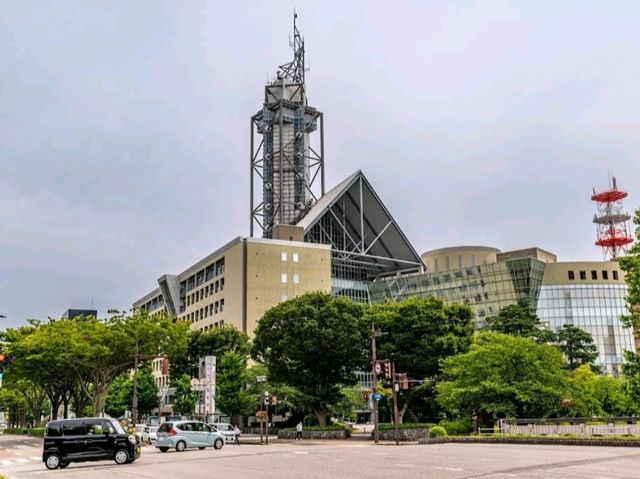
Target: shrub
24,431
456,427
408,425
437,431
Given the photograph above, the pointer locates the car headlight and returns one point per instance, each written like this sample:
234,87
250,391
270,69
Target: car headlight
132,439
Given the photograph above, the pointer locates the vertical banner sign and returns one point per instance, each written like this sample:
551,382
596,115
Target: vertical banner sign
208,379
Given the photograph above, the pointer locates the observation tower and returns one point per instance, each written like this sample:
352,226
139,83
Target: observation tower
612,221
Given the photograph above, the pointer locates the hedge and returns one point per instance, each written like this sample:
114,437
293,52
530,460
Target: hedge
408,425
330,427
560,441
25,431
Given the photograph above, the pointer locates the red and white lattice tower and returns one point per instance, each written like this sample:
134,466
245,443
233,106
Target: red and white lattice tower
612,222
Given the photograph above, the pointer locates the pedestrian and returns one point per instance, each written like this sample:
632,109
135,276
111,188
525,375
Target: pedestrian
299,431
236,433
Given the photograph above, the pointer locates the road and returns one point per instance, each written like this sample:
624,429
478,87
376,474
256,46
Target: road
20,459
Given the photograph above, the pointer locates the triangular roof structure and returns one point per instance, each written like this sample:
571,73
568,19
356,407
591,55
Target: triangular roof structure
352,218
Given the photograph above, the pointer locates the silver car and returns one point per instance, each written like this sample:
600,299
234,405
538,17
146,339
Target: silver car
226,430
187,434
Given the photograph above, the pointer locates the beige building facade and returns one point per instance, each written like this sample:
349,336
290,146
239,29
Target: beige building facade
236,284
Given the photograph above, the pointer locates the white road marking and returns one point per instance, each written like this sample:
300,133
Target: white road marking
449,468
301,452
22,460
35,458
6,463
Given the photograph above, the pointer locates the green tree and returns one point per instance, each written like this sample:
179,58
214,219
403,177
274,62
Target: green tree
577,346
215,342
14,406
417,335
503,376
314,343
581,392
631,370
346,407
118,399
186,399
230,380
520,320
630,264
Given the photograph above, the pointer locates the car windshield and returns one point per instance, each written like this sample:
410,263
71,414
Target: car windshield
118,427
153,429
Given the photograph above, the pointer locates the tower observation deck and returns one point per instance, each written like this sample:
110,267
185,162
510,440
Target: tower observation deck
284,163
612,221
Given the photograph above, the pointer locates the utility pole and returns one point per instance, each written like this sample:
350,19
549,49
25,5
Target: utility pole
134,399
376,432
396,386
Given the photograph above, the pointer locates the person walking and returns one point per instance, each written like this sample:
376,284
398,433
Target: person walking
236,433
299,431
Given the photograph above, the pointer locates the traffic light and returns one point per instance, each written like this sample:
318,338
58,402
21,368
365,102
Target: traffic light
387,370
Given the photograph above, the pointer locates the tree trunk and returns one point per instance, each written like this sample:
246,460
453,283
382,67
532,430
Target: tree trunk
65,403
321,416
401,412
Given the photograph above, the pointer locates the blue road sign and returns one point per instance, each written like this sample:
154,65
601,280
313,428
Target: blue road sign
377,396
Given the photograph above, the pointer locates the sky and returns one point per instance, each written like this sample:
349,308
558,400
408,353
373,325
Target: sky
124,128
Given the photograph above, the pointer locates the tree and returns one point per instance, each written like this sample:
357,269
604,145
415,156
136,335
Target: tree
520,320
345,408
231,378
631,370
577,346
215,342
186,399
503,376
314,343
581,392
630,264
417,334
118,398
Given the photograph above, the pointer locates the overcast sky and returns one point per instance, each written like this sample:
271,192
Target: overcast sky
124,128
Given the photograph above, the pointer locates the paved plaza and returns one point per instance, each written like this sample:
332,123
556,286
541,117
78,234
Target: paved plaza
20,459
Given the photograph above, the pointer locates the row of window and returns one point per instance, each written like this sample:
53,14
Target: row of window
295,257
594,275
202,276
217,324
203,293
162,381
294,277
205,312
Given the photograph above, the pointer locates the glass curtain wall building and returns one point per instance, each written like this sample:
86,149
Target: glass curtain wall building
589,295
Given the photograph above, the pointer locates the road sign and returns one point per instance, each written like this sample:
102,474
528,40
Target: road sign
261,379
378,368
377,396
261,414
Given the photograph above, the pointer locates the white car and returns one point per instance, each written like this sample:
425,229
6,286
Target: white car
149,434
226,430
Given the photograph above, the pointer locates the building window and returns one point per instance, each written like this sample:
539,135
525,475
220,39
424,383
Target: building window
459,261
605,274
222,323
217,285
283,278
222,305
221,284
615,275
572,275
446,263
296,257
206,292
583,275
283,256
217,305
296,278
473,260
594,274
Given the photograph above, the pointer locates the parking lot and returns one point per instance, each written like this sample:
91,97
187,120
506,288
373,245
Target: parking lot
20,459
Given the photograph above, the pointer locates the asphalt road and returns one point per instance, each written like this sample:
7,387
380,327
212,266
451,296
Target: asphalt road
20,459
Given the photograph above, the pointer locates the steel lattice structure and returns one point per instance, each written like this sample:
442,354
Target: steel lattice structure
284,160
611,221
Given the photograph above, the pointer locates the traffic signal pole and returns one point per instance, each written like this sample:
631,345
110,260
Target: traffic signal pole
376,432
395,386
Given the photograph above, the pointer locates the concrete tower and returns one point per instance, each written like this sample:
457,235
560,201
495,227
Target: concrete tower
285,162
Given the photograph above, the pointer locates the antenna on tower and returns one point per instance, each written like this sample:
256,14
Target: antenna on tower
294,70
611,220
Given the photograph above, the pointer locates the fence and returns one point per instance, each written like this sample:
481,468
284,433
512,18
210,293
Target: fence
568,427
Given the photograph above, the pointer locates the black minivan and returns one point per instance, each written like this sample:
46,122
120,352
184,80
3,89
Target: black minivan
87,439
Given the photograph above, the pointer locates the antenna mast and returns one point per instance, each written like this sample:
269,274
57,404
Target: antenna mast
611,221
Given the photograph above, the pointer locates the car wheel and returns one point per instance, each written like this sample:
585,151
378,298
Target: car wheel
52,461
218,443
121,456
163,449
181,446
